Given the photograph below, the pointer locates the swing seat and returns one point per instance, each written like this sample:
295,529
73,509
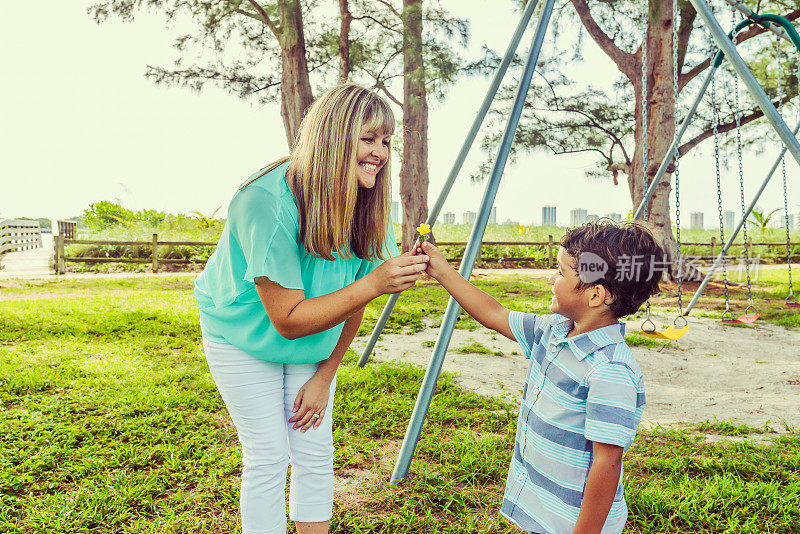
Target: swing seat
671,333
748,317
792,303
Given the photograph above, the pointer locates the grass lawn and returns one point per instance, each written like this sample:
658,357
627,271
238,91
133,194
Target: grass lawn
110,423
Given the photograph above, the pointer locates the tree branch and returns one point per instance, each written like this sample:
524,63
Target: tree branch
379,23
265,18
625,61
742,37
391,8
756,114
684,32
380,85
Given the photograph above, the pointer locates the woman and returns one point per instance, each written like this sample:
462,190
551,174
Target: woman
283,296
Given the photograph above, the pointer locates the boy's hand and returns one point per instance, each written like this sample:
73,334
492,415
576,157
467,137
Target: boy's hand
437,264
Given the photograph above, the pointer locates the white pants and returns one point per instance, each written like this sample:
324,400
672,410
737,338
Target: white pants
259,396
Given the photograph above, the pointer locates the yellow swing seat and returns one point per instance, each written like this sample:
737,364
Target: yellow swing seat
671,332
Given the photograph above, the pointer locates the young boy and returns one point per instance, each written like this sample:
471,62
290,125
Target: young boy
584,392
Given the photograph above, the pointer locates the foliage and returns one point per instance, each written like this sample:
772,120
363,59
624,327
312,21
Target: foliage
105,213
111,423
240,51
568,114
759,219
207,221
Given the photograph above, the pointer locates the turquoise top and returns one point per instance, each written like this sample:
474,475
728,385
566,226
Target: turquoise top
262,238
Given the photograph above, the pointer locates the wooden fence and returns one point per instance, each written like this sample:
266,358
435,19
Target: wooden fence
551,246
16,235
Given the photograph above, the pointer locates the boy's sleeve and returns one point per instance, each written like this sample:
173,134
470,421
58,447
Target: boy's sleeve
389,250
527,329
270,249
614,404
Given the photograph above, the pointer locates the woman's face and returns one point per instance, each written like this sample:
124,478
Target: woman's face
371,155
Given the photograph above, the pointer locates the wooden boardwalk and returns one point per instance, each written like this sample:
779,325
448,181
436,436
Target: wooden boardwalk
34,263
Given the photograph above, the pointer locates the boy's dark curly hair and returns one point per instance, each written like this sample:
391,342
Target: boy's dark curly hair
635,261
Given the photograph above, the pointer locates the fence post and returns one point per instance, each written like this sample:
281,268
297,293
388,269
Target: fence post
549,251
60,263
713,247
155,253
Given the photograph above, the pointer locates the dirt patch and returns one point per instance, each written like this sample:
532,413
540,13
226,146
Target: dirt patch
748,374
352,485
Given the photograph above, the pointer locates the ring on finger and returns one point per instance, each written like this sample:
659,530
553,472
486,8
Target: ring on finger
315,416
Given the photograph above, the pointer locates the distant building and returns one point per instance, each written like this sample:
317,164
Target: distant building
696,220
728,219
396,213
548,215
449,218
493,215
782,221
592,217
616,217
577,217
469,217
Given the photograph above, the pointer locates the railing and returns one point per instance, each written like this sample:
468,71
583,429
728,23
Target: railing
16,235
551,245
67,229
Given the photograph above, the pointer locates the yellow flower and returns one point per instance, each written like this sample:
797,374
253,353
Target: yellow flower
424,231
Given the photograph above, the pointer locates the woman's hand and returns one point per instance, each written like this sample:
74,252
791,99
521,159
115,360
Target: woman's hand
399,273
437,263
311,401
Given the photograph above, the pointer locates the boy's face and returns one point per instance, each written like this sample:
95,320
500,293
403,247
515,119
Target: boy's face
566,300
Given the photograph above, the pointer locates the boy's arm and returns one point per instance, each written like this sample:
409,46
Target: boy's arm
480,305
601,486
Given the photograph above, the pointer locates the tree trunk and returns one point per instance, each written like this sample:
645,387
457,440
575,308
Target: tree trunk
296,93
414,169
344,41
660,132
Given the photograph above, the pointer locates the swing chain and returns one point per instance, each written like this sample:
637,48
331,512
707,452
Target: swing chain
738,116
790,298
648,326
715,125
675,74
645,13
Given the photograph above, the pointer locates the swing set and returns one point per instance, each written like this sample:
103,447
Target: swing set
783,29
726,49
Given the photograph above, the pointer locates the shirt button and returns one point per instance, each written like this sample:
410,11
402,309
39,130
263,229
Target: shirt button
553,348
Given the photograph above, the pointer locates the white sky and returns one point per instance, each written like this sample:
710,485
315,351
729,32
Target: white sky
81,124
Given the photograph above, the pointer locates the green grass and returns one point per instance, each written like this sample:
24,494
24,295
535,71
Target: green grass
477,348
110,422
638,340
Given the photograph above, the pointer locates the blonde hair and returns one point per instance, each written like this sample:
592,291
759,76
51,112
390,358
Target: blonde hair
336,215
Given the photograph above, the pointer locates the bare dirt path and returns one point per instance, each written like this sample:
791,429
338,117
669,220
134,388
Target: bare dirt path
750,375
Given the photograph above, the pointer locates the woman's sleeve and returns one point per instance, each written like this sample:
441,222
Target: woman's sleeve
389,249
269,247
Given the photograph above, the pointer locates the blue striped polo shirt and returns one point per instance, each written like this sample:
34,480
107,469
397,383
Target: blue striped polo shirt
578,390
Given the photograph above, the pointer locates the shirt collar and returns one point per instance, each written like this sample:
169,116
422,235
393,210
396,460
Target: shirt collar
584,344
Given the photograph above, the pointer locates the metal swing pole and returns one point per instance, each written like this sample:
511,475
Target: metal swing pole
741,68
742,222
462,155
470,254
